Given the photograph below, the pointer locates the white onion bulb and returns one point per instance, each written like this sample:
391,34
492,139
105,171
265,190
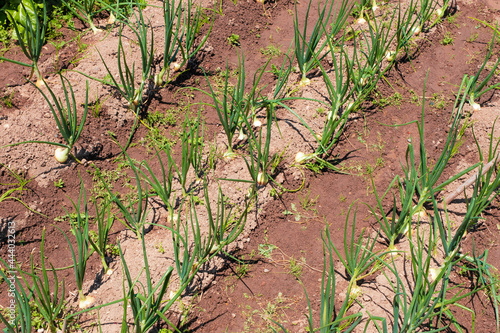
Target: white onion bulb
61,154
262,179
86,302
361,20
300,157
389,56
304,82
242,136
476,106
257,123
111,19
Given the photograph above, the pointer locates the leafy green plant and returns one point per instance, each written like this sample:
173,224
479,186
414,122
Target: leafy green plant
66,120
271,51
234,40
447,39
59,183
30,33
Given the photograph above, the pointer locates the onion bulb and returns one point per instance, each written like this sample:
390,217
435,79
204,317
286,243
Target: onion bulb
361,20
242,136
355,292
475,106
111,19
61,154
229,155
304,82
416,30
389,56
434,273
85,301
175,66
257,123
214,248
260,1
40,83
440,12
158,80
109,272
300,157
262,179
375,7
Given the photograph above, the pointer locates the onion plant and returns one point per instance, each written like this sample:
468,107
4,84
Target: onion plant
427,10
479,87
378,41
359,255
224,225
231,106
330,319
192,147
258,162
429,176
307,51
49,302
147,301
339,94
181,30
134,215
30,32
185,256
161,186
66,120
406,26
191,248
104,221
20,323
395,226
127,87
85,10
426,302
80,229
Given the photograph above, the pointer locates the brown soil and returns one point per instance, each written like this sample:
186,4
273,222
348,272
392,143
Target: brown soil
251,293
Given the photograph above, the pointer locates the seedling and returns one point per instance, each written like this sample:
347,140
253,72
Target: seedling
234,40
59,183
447,39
